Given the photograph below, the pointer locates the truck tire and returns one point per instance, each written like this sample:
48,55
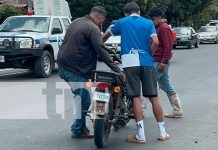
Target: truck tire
44,65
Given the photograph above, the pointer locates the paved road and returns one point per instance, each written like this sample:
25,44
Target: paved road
194,72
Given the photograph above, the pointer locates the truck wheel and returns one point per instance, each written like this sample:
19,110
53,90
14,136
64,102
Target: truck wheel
44,65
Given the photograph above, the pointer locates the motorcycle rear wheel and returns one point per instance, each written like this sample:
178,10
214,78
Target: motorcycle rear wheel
102,129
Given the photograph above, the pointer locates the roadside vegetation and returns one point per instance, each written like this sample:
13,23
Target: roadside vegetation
178,12
7,10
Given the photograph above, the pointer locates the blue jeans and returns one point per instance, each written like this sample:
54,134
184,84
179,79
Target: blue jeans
82,99
164,79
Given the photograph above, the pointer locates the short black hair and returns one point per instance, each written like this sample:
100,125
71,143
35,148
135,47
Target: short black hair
155,12
100,10
131,7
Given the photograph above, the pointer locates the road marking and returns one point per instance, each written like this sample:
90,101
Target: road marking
13,73
1,70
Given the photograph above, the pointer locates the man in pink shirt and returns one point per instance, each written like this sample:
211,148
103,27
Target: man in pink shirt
162,58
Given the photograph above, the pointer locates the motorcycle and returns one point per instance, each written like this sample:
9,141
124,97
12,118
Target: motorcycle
110,106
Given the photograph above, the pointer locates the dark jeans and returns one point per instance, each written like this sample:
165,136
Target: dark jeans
82,99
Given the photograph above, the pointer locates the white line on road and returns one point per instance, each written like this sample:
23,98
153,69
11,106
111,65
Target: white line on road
13,73
1,70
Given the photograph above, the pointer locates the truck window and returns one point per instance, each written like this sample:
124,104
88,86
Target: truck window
56,25
66,23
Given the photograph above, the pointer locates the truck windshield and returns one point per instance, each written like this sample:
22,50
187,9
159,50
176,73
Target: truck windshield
26,24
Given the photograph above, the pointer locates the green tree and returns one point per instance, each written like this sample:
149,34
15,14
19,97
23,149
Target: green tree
7,10
178,12
114,8
184,12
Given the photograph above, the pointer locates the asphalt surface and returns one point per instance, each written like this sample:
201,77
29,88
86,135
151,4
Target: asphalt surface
28,120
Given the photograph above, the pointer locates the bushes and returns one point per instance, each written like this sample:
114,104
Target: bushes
7,10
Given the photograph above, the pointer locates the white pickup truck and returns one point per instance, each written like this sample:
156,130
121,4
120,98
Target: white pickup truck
32,42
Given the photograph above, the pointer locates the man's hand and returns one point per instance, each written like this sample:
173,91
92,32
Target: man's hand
123,76
161,68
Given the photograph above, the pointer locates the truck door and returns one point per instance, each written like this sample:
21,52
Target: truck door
56,36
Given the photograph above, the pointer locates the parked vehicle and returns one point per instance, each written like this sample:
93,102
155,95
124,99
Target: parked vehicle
208,34
111,107
213,23
114,42
32,42
186,36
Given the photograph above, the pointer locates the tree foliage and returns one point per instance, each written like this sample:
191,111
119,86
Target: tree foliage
7,10
177,12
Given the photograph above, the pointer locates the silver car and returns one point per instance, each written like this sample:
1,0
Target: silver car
208,34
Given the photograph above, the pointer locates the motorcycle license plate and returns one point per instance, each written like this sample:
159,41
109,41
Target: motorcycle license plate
2,59
102,97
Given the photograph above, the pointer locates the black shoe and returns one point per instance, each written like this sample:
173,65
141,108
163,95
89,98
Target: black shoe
87,130
84,135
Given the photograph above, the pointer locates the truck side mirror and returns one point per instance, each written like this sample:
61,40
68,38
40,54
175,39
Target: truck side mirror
56,31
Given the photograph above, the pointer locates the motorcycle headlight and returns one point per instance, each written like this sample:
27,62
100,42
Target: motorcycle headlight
26,43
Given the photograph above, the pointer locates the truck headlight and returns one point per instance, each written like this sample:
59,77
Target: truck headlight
26,44
6,43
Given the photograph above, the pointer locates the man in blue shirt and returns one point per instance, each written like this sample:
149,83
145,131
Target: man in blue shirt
138,43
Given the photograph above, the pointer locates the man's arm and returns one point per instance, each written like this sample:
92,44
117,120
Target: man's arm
166,35
106,36
115,30
99,47
154,44
154,39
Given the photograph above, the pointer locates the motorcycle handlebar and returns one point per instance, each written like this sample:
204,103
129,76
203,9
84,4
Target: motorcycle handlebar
114,54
